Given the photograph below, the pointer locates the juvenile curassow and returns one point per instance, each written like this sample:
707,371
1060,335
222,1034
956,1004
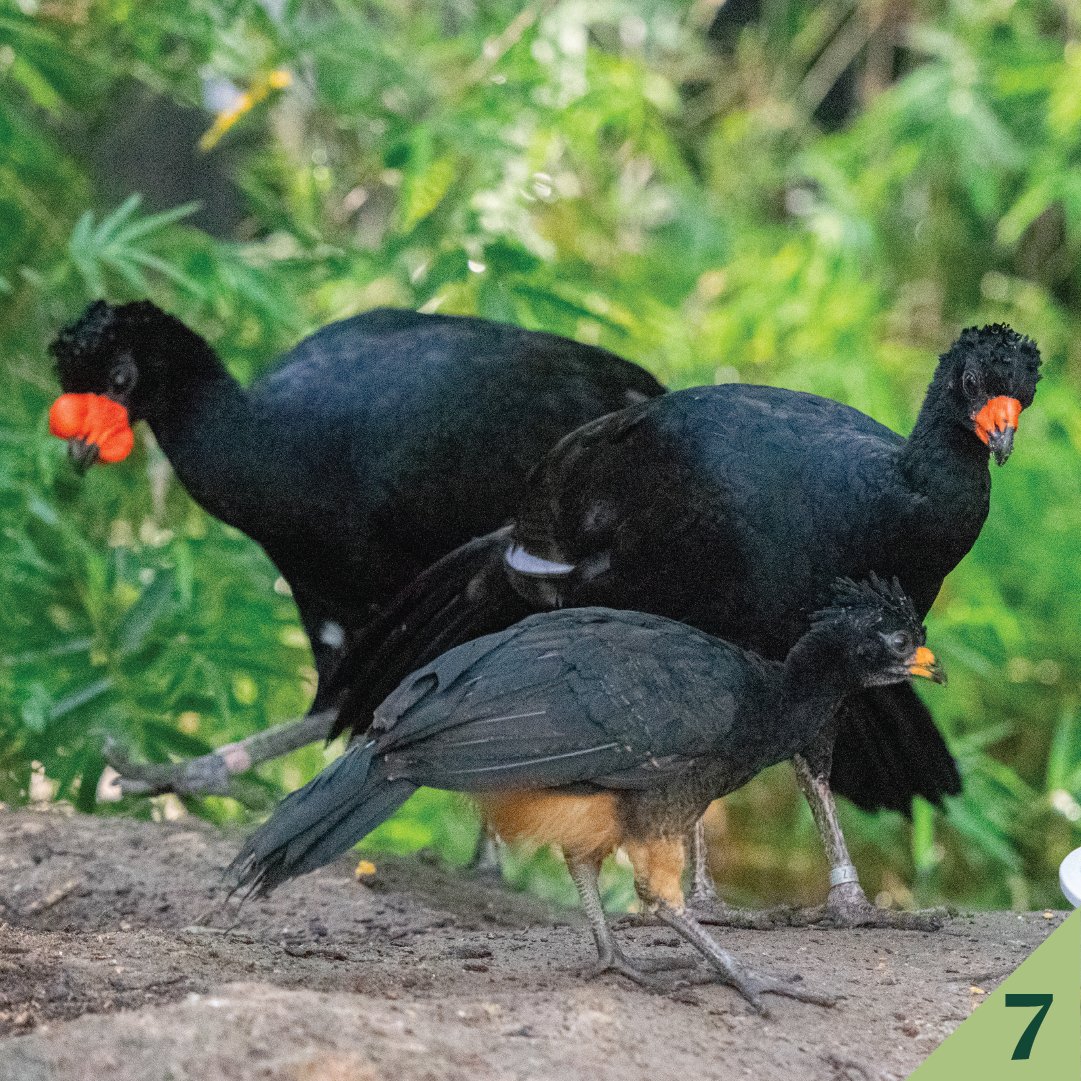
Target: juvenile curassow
732,508
593,729
374,447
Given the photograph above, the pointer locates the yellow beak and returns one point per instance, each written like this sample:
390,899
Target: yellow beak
925,665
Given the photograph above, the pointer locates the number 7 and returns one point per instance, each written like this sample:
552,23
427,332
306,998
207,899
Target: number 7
1028,1037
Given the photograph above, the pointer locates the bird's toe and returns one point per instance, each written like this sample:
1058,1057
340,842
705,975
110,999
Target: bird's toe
865,914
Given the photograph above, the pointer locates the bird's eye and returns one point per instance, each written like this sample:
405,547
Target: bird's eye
122,376
900,643
970,384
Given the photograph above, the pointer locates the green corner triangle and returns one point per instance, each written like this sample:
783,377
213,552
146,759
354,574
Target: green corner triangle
1029,1028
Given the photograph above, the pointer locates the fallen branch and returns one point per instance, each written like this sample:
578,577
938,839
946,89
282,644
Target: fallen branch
52,898
211,774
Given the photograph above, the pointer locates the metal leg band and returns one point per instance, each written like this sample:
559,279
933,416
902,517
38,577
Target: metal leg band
842,874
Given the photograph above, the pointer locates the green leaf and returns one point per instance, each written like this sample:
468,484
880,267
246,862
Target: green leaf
424,191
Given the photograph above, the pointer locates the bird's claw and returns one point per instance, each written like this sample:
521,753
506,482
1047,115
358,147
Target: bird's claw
622,967
752,987
719,914
847,907
873,916
641,972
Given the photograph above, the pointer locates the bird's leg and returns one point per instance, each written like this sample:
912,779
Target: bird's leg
847,905
703,890
658,872
210,774
610,958
751,985
707,905
486,856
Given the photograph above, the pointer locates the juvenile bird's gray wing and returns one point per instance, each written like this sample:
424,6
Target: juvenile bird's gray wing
578,696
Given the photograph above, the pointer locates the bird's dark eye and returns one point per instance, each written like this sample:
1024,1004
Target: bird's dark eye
122,376
900,642
970,383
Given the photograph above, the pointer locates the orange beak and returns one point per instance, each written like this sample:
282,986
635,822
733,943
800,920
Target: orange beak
96,428
925,665
996,423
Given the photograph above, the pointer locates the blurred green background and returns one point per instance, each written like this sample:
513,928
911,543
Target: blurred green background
816,195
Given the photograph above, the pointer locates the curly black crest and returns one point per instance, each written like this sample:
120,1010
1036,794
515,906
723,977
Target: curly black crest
999,349
93,330
99,333
849,598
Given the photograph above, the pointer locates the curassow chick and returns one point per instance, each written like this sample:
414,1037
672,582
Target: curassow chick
593,729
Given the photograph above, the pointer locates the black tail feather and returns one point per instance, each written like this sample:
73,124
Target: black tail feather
319,822
463,596
889,750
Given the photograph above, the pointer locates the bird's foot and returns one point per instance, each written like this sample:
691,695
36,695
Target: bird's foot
640,972
213,774
753,985
621,966
847,906
718,914
728,969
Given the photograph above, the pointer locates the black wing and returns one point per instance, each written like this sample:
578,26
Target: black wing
563,698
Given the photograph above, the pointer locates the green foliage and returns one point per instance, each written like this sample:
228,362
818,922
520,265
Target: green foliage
598,170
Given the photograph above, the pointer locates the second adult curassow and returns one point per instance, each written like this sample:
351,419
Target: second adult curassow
375,445
593,729
732,508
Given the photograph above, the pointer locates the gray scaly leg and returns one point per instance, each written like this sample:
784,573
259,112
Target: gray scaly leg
749,984
486,858
847,904
703,891
610,958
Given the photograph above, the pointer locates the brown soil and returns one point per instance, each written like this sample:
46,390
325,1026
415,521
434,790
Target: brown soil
118,960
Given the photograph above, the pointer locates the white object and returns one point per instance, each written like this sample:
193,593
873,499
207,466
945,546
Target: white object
1069,877
518,559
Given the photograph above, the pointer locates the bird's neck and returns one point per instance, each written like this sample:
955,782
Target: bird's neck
814,681
943,459
208,430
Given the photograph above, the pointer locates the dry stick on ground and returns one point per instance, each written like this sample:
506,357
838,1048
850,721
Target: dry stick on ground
53,897
212,774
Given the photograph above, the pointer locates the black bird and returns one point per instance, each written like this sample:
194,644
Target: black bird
593,729
374,446
732,508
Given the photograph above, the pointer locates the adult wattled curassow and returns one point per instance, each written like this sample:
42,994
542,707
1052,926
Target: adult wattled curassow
594,729
732,508
374,447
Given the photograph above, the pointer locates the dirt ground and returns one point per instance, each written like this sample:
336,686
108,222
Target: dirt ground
118,960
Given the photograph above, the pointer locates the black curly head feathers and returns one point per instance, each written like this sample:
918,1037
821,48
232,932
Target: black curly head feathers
997,360
100,333
165,352
872,598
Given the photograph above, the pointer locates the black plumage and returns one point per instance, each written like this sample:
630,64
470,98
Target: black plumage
731,508
373,447
636,721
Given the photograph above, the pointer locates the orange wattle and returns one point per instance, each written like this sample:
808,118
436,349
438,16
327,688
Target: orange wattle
94,419
996,416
